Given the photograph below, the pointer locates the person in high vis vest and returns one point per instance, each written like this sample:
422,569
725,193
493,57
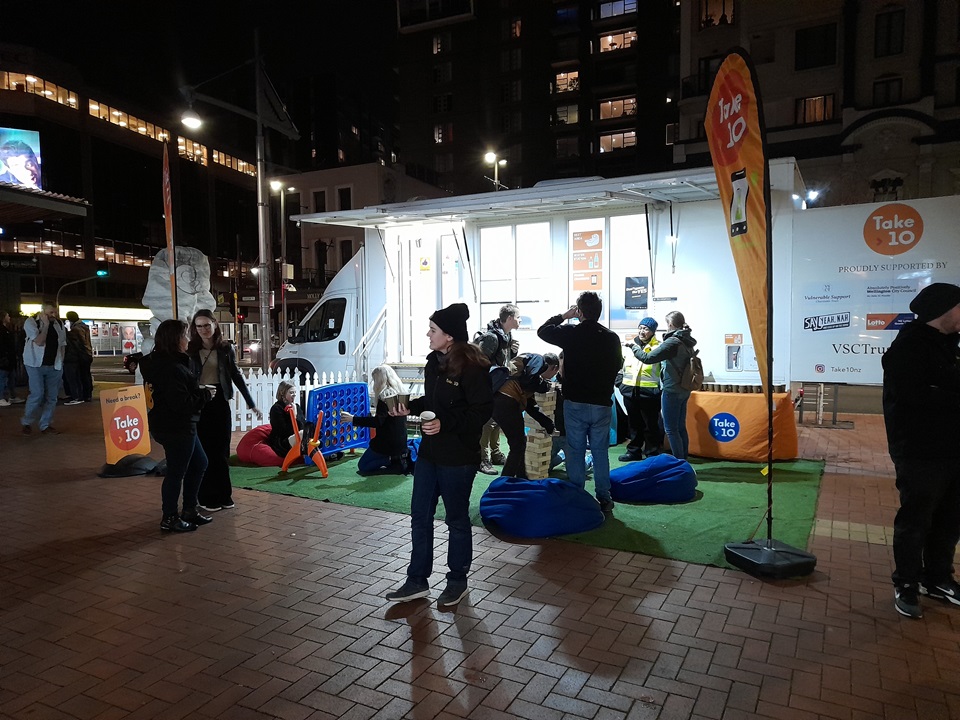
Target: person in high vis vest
641,394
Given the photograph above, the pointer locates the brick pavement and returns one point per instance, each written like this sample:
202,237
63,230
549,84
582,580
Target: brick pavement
274,610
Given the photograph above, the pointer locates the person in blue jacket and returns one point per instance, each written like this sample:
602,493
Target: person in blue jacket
458,396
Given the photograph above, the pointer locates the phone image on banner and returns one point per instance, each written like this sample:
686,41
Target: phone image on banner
738,205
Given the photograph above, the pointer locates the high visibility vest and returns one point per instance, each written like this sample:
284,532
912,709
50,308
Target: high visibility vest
638,374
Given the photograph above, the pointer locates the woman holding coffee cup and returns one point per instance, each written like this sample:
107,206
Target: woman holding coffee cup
388,448
456,403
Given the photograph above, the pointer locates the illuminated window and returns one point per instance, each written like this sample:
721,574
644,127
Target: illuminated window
617,141
618,108
620,7
33,85
515,28
618,40
814,109
567,82
192,151
441,43
715,12
443,133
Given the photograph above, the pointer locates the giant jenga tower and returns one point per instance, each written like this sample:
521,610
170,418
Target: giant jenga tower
539,444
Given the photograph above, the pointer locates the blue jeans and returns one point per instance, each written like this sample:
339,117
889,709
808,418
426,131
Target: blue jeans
673,407
588,422
371,461
430,483
186,464
4,381
42,401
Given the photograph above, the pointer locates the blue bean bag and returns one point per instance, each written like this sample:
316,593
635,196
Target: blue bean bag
539,508
659,479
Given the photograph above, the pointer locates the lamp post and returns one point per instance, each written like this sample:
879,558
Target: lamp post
277,186
491,158
283,124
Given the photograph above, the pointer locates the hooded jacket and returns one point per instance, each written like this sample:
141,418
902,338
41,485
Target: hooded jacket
462,404
175,398
921,394
672,354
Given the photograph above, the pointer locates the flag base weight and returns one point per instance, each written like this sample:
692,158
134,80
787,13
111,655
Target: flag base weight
128,466
769,558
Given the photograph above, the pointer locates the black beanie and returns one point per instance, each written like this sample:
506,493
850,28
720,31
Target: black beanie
453,321
934,300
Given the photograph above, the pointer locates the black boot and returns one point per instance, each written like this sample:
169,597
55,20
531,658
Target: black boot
173,523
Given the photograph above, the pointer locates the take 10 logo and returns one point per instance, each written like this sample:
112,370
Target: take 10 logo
724,427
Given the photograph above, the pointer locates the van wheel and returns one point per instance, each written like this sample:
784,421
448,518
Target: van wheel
298,369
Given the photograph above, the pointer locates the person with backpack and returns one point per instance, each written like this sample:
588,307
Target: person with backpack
675,355
497,343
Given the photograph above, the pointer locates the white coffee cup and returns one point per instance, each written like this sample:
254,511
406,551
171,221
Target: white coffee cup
427,416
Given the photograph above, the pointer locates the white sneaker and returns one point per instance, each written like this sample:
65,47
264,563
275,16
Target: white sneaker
4,402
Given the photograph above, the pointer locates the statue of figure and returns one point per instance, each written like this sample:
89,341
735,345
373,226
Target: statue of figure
193,289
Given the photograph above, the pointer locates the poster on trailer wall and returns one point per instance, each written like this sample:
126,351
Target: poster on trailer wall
855,270
20,158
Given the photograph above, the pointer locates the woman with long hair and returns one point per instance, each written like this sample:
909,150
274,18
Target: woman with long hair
456,403
281,426
214,364
388,448
176,400
673,354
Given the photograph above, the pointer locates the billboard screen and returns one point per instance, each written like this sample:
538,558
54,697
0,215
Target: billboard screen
20,157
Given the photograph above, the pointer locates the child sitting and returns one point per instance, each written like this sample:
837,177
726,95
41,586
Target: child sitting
388,448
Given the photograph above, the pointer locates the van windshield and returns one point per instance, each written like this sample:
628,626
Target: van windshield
326,323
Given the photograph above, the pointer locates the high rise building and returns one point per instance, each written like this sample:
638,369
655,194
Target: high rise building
556,88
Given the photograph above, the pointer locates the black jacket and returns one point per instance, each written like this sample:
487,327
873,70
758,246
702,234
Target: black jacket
176,399
228,372
462,404
281,428
591,359
921,394
391,437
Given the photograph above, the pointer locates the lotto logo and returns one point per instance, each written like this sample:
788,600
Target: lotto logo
819,368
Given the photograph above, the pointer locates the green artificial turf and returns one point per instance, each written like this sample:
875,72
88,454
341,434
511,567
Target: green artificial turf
729,504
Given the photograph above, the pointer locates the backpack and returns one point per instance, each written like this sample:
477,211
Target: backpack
691,374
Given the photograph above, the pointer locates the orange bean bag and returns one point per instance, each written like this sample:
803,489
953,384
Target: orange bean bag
253,448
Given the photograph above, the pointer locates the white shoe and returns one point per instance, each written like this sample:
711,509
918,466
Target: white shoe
4,402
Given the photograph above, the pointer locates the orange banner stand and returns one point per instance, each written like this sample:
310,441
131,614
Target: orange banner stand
733,426
125,433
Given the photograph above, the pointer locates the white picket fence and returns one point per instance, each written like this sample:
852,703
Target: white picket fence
263,389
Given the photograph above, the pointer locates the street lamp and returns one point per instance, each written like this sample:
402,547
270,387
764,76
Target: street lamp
491,159
277,186
279,121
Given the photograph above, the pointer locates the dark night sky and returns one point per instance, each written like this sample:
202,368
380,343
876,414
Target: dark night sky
142,56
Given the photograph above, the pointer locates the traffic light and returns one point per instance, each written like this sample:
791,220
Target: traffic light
241,314
103,269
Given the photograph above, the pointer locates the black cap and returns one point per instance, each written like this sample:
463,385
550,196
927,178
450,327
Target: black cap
935,300
453,321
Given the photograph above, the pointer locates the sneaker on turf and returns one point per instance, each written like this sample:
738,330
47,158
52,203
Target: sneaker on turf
488,469
906,601
452,594
948,590
497,457
606,505
410,590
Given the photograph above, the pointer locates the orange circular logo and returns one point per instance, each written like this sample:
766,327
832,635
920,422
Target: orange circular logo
893,229
126,428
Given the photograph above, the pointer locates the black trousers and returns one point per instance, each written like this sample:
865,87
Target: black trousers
509,416
927,526
644,414
214,433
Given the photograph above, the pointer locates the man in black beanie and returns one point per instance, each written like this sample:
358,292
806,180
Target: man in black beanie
921,411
